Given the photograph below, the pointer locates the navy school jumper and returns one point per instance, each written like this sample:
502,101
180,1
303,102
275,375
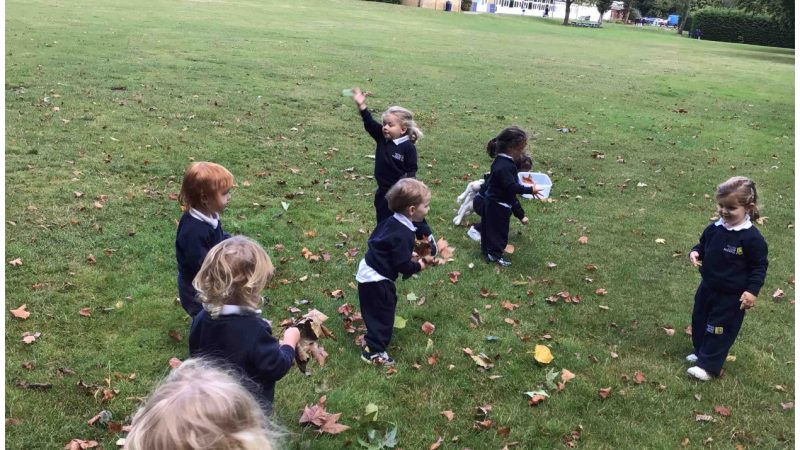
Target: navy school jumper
244,342
394,159
194,240
503,187
734,261
389,254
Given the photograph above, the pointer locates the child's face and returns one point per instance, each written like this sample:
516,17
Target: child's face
730,210
218,204
418,212
393,127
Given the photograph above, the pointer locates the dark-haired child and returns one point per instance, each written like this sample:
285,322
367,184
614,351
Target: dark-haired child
205,193
524,164
390,253
395,155
732,256
501,192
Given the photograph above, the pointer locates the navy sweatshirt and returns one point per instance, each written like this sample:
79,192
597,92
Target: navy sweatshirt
733,261
194,240
245,342
516,207
503,183
390,248
392,161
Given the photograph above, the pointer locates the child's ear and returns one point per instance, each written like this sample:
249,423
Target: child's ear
411,210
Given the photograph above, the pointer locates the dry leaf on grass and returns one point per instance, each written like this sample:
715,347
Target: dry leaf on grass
16,262
542,354
509,249
638,377
454,277
450,415
428,328
604,392
722,411
80,444
583,239
175,362
21,312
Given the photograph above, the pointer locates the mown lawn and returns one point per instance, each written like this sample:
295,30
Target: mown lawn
107,102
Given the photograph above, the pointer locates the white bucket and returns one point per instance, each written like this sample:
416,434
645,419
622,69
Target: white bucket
541,180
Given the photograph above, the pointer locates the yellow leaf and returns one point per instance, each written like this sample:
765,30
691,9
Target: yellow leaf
541,353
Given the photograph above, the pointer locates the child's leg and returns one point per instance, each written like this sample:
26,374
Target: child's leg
702,306
720,331
495,223
378,304
478,204
188,295
382,210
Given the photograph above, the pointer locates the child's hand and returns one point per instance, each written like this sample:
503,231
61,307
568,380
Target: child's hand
291,337
535,191
747,300
360,98
524,220
694,257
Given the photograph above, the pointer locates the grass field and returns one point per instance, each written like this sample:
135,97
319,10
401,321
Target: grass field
107,102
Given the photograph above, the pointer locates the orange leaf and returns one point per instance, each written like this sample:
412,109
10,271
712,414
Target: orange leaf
509,249
536,399
450,415
638,377
604,392
436,444
331,426
80,444
454,277
311,234
566,375
507,305
669,330
21,312
85,312
338,293
175,362
433,359
722,411
428,328
445,251
583,239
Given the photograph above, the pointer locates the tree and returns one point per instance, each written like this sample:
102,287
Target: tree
602,7
626,9
566,11
781,10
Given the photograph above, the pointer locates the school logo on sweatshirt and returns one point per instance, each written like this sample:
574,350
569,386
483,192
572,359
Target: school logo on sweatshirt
714,330
398,157
733,250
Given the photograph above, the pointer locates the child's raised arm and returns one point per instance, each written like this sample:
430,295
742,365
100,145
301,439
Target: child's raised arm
360,98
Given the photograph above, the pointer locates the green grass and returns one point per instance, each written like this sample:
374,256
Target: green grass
143,90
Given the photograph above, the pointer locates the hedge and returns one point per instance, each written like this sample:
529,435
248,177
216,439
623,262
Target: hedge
396,2
734,25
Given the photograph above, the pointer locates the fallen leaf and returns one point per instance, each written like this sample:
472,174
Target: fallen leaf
449,415
638,377
21,312
338,293
436,444
175,335
428,328
91,259
583,239
730,358
778,293
399,322
80,444
85,312
551,265
507,305
542,354
509,249
454,277
331,425
601,291
16,262
482,361
175,362
787,406
604,392
703,418
310,234
722,411
669,330
566,375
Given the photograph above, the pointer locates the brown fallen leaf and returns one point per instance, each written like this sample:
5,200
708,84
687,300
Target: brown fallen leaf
638,377
450,415
604,392
338,293
669,330
778,293
175,335
21,312
85,312
175,362
80,444
703,418
436,444
454,277
91,259
310,234
30,338
566,375
601,291
509,249
722,411
16,262
428,328
583,239
787,406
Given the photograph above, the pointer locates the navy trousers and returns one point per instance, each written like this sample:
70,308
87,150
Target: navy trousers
477,205
188,296
716,321
495,221
378,302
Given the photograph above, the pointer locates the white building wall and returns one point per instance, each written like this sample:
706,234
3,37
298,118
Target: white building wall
536,9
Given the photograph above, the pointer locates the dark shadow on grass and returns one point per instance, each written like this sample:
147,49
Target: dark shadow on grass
771,54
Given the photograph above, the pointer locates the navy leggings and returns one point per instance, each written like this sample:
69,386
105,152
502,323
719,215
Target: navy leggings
716,321
495,221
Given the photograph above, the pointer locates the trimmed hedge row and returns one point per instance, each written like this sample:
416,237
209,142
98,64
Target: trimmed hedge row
396,2
734,25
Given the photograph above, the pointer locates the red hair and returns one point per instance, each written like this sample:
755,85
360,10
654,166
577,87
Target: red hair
202,181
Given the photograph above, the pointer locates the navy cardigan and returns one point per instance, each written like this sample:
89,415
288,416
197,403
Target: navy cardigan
392,161
733,261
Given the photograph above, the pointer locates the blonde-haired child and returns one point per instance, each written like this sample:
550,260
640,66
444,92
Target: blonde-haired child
732,257
395,155
230,328
199,406
390,253
204,194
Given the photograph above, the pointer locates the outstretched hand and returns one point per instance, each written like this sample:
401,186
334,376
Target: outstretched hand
360,98
694,258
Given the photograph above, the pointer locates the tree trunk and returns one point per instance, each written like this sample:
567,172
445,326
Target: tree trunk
600,22
685,17
566,12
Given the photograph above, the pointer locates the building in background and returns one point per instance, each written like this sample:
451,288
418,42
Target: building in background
535,8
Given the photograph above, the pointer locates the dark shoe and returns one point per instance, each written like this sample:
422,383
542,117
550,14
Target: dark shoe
499,260
377,358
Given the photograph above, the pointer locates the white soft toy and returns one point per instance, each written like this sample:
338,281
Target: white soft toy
465,199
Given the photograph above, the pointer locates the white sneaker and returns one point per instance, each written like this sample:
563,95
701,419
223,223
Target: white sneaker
699,373
474,234
692,358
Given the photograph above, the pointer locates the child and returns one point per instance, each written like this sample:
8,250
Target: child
204,194
502,187
524,164
732,256
199,407
389,254
230,327
395,155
